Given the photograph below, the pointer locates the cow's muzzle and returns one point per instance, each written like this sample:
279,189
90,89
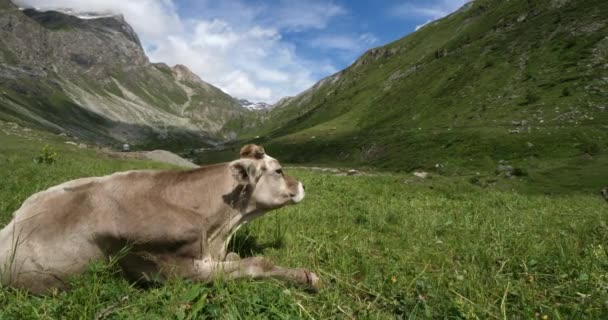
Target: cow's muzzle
299,195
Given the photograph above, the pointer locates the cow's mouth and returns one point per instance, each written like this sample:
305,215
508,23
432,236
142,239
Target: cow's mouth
299,195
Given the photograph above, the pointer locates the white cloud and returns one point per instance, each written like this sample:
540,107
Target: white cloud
368,39
341,42
352,43
297,15
423,24
430,11
253,63
230,44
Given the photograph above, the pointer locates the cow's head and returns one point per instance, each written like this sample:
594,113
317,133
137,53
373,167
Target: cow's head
270,187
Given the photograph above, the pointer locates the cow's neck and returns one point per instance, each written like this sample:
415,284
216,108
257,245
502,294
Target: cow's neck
219,234
237,211
220,217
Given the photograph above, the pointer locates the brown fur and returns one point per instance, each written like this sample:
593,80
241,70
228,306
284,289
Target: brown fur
252,151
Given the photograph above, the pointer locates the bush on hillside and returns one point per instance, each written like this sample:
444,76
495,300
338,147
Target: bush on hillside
47,156
589,147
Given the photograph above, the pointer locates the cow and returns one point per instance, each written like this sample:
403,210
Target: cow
174,223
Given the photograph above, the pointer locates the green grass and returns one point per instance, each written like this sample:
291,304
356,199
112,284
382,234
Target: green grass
388,246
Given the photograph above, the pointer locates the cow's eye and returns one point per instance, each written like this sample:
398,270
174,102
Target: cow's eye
279,171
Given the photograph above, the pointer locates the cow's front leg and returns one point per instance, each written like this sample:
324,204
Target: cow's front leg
253,268
232,256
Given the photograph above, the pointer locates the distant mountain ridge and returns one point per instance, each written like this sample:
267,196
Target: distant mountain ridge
88,76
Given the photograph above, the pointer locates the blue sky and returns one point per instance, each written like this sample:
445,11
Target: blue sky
264,50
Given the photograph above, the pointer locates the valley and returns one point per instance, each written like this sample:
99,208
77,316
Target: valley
454,173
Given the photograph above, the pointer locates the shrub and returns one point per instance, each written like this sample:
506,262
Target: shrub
589,147
474,180
530,97
519,172
47,156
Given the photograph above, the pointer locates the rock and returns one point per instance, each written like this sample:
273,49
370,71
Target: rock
168,157
421,174
71,142
82,146
504,168
604,193
352,172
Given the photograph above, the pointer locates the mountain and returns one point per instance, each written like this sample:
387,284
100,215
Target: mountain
87,75
496,80
254,105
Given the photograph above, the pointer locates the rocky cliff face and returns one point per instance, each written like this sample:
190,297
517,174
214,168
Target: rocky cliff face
91,78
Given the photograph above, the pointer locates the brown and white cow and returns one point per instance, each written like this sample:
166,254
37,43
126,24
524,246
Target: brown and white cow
176,223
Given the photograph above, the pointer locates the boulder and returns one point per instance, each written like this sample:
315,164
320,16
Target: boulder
504,168
421,174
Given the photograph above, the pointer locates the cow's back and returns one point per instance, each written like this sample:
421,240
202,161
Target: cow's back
49,235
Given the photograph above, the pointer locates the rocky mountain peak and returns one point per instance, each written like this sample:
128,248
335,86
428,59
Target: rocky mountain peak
182,73
66,19
6,4
67,43
86,74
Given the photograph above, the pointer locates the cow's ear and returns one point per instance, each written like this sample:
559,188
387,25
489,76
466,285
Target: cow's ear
244,171
252,151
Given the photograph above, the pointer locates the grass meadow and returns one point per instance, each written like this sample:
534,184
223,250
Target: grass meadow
387,246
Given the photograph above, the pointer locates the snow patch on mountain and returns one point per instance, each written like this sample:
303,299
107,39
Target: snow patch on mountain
258,106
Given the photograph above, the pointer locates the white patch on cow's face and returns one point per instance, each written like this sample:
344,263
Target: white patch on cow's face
274,189
300,195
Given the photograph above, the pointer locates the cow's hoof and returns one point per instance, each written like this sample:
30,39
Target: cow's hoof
313,282
233,256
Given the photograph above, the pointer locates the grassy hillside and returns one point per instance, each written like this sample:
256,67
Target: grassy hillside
386,247
497,80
